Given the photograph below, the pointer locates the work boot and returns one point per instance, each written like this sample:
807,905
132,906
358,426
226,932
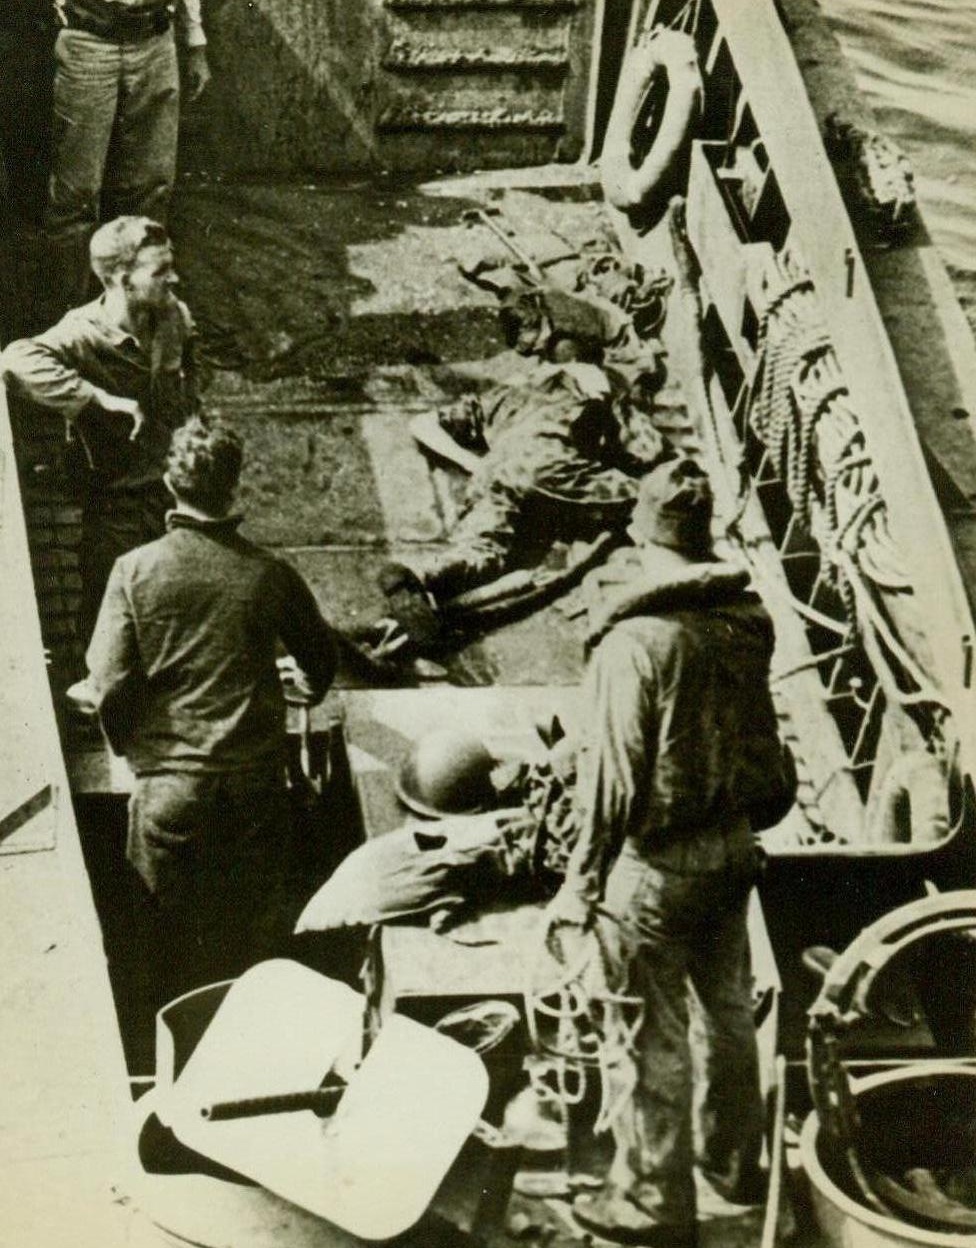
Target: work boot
713,1204
411,607
612,1215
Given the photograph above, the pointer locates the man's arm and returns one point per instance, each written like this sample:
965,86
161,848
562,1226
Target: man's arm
195,42
614,765
43,369
429,433
116,679
307,637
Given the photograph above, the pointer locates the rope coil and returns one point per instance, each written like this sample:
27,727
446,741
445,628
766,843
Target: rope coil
581,1020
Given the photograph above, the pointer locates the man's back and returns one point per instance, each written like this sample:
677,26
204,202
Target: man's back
702,709
186,648
548,434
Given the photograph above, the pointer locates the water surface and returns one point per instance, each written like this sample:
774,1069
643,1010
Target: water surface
916,62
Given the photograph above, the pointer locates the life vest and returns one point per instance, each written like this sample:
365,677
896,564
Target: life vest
657,105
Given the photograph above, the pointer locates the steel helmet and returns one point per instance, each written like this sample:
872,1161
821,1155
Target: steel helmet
447,772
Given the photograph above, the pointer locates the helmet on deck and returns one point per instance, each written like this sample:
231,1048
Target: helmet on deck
447,772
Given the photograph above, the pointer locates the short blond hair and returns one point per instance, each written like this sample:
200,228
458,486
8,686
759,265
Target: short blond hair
115,245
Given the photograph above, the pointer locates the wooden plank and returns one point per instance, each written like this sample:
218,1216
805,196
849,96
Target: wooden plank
65,1104
26,768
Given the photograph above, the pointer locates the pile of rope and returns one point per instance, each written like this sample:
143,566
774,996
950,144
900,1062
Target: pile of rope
802,412
582,1020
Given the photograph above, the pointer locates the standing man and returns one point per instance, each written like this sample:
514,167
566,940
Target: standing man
116,107
680,748
183,674
120,370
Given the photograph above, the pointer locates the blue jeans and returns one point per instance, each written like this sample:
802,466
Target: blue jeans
116,116
682,921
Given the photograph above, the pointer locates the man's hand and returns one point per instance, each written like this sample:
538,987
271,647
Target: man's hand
569,908
123,407
197,72
566,925
82,697
298,691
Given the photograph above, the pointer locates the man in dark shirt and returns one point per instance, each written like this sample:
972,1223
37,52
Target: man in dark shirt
559,434
555,456
184,675
120,371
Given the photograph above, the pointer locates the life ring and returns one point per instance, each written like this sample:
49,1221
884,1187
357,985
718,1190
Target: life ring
657,105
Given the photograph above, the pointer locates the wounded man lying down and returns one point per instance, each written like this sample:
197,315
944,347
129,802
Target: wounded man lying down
556,451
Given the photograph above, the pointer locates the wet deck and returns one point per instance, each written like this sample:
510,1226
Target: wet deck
353,300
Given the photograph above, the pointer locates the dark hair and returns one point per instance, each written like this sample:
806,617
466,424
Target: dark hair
204,464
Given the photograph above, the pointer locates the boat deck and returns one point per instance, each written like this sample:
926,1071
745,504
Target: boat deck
320,360
329,315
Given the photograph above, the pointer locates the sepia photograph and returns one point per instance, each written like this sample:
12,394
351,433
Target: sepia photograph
488,623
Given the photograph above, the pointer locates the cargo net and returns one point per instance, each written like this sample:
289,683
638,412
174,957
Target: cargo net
847,581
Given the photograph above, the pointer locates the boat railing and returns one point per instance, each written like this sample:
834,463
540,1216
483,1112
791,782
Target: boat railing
33,785
827,491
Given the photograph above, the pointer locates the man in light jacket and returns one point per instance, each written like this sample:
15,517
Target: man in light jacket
679,760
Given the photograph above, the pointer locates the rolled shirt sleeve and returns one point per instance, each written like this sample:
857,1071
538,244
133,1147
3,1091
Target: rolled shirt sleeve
41,368
191,24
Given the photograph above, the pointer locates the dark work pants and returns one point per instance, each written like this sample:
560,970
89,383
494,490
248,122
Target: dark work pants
682,921
213,850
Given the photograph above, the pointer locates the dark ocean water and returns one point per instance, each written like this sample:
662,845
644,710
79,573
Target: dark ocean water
916,61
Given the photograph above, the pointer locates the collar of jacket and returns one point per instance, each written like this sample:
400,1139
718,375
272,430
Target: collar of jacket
183,520
651,591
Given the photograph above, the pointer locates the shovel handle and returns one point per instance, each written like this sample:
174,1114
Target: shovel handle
321,1101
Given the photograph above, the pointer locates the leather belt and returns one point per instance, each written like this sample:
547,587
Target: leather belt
126,25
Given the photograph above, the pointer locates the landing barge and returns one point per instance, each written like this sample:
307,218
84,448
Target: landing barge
334,310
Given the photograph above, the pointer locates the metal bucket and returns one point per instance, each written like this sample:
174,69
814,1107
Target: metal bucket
934,1091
